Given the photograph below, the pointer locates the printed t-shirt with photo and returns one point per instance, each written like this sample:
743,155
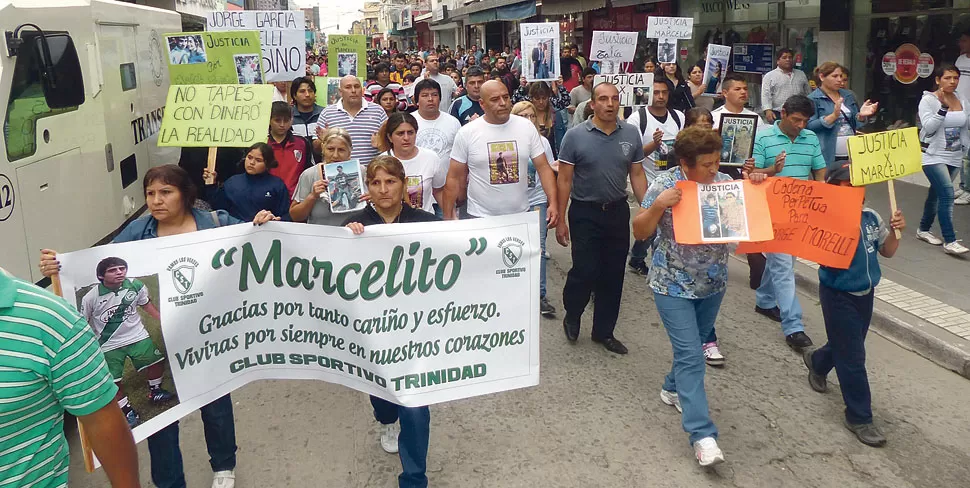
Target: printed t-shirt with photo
954,123
437,135
424,173
497,156
670,128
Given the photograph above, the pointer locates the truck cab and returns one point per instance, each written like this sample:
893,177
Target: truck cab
82,92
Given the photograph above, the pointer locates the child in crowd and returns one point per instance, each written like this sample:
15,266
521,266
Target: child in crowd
847,297
292,153
256,189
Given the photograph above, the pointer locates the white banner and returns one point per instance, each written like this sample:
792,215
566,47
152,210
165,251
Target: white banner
540,51
636,89
618,47
413,313
670,27
281,34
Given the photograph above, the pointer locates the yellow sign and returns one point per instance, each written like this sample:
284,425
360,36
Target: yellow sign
216,115
884,156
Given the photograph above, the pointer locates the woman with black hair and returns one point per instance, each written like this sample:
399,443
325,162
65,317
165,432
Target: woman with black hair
680,96
246,194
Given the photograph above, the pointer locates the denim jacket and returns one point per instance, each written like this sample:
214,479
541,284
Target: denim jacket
146,227
828,133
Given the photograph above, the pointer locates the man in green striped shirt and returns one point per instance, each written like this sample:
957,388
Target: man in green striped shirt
50,362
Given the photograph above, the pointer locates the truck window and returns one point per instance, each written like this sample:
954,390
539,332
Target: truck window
128,81
26,104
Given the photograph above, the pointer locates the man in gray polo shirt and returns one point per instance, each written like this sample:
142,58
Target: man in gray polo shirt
596,158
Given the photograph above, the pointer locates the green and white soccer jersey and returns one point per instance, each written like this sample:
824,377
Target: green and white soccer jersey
113,314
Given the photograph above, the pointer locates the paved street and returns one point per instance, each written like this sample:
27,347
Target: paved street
596,419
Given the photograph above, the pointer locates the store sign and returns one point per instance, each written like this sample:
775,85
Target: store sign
753,58
907,57
405,21
889,64
924,68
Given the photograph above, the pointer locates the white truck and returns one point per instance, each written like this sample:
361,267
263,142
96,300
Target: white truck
82,92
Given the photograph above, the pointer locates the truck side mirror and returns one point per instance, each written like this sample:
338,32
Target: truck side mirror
61,76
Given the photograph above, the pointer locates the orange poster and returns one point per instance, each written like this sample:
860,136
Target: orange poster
812,220
729,211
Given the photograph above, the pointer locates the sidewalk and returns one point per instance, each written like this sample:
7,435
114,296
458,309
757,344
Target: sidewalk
922,302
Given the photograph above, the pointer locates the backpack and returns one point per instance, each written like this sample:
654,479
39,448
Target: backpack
643,119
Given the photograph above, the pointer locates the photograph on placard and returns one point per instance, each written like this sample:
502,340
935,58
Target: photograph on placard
333,90
186,49
722,213
346,64
667,51
716,68
540,51
122,311
345,186
247,69
737,138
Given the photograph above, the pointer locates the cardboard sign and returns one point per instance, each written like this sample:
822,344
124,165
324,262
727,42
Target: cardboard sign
212,58
812,220
670,27
715,68
540,51
883,156
216,115
346,55
729,211
636,89
282,36
618,47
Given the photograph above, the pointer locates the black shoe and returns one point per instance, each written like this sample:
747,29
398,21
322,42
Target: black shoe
639,267
546,308
571,327
815,380
798,340
867,434
612,344
773,313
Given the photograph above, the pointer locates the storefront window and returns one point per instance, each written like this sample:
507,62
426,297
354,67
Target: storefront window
889,6
803,9
804,42
746,12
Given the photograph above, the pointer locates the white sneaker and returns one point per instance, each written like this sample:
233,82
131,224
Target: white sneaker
962,199
954,248
224,479
707,452
928,237
957,191
712,355
671,398
389,435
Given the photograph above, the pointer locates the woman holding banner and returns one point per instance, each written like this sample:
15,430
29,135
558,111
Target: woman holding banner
387,186
688,283
170,195
944,136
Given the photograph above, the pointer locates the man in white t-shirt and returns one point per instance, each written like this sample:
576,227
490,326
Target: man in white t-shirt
492,153
444,81
962,195
658,127
436,129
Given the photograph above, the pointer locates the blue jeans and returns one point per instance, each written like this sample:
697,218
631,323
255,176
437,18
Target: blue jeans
687,321
965,174
413,441
939,199
778,290
847,318
541,208
220,440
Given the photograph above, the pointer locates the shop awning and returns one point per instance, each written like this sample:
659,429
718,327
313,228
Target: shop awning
446,26
566,7
516,11
630,3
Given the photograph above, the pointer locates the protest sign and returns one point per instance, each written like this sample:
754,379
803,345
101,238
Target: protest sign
884,156
540,51
282,35
346,185
715,68
730,211
216,115
737,137
413,313
670,27
636,89
616,47
208,58
812,220
346,55
667,50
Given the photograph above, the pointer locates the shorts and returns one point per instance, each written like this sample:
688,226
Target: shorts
143,354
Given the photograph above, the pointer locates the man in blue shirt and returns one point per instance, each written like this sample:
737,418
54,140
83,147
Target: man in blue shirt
787,149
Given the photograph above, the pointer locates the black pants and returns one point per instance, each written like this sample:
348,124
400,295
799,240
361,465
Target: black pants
600,237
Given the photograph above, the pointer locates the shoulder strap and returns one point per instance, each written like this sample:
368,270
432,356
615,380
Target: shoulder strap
673,113
643,119
215,218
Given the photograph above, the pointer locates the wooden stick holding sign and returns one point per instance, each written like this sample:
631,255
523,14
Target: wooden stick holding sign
210,165
86,451
884,156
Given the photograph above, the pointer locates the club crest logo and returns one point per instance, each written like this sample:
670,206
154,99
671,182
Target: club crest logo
298,154
511,248
626,147
130,296
183,274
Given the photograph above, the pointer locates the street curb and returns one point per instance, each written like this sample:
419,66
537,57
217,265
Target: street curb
895,329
